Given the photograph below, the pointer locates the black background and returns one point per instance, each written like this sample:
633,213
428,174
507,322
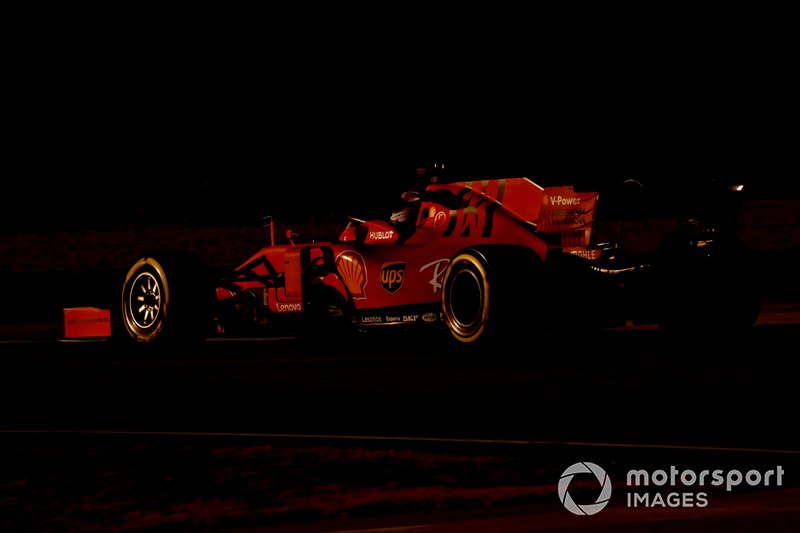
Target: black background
216,116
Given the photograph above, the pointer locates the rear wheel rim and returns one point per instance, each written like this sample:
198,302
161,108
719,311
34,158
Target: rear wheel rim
466,297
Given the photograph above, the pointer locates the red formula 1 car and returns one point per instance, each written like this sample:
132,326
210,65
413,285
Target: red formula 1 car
480,260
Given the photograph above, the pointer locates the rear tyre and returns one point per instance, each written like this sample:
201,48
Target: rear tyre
467,298
167,298
487,297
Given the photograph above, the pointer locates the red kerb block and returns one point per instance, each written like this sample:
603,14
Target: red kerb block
83,322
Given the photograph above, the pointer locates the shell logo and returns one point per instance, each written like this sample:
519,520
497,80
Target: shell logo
545,200
353,270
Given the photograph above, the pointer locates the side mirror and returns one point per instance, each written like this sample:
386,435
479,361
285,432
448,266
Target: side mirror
410,197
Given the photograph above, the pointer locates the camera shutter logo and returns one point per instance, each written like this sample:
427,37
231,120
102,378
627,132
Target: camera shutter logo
584,468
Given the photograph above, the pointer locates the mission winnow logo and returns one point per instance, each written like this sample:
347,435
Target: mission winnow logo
670,487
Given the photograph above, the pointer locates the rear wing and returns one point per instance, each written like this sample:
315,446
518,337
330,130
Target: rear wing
568,212
551,209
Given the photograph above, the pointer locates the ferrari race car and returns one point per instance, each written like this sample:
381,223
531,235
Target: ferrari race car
475,260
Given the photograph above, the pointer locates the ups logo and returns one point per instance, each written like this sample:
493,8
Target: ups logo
392,276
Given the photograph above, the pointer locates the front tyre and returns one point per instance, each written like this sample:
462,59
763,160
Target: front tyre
166,298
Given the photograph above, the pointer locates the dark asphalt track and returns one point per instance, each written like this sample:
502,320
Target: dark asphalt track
623,398
627,386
